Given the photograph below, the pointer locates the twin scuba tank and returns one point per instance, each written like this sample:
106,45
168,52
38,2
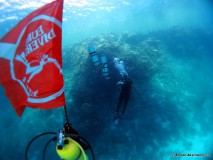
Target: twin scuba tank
105,70
99,63
94,56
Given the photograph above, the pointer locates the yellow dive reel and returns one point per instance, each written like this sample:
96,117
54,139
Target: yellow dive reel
69,145
69,149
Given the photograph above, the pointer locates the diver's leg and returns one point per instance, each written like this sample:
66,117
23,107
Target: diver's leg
119,102
117,115
118,106
126,100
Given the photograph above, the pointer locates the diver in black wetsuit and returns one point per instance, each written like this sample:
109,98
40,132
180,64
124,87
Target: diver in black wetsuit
126,85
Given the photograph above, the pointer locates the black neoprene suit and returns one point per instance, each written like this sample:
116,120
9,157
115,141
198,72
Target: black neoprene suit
124,94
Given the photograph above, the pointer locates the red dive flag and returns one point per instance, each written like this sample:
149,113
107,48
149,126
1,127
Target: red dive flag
31,60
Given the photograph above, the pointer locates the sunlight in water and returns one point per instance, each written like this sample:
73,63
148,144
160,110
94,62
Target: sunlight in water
77,3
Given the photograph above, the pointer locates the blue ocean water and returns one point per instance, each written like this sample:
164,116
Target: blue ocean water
166,46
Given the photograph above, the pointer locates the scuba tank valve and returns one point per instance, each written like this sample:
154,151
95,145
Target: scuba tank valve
60,140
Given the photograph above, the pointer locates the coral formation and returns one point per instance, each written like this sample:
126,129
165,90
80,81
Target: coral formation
159,64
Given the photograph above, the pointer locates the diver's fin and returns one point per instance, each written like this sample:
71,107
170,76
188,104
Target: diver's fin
117,118
116,121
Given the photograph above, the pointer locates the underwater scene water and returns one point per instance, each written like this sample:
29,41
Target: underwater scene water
166,47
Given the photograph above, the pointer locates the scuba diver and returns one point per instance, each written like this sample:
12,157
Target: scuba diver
125,89
102,63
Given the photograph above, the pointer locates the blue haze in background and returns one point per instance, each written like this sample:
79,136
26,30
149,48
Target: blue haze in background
169,112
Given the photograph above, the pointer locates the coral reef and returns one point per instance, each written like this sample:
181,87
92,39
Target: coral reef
169,106
160,65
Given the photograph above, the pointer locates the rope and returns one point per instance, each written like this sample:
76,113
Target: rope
66,115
